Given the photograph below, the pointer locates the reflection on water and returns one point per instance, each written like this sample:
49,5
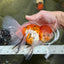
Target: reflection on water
18,9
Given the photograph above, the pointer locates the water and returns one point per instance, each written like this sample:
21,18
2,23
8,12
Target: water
18,9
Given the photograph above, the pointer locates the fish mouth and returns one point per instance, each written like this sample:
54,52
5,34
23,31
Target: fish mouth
44,40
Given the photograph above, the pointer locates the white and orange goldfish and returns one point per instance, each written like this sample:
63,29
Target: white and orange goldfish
29,33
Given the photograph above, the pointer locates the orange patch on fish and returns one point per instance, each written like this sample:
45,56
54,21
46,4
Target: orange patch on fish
27,28
29,39
46,28
32,27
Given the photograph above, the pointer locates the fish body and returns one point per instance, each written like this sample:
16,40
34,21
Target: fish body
35,33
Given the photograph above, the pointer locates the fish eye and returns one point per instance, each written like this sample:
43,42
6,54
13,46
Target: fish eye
48,35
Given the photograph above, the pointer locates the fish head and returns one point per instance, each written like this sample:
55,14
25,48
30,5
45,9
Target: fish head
46,33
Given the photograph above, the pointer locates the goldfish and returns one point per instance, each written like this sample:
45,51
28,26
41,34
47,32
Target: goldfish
29,33
40,4
43,33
